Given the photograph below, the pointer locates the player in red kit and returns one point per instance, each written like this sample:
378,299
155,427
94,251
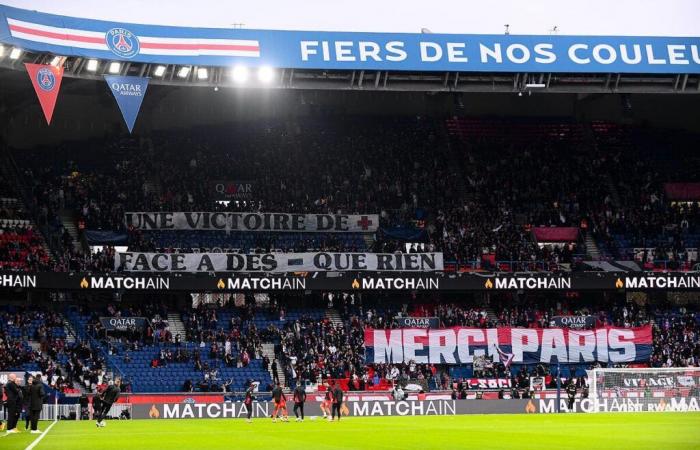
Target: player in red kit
326,404
280,403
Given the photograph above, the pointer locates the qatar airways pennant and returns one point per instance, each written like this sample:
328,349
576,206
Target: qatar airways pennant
47,82
129,92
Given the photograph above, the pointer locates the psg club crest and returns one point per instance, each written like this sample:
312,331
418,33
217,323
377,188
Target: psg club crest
122,42
47,82
45,79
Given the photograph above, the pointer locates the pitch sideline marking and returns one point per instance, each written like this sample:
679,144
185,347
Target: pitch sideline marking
41,436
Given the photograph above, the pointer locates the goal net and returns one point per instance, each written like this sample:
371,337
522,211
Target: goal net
643,389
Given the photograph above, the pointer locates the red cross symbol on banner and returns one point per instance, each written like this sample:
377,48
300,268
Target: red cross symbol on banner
364,222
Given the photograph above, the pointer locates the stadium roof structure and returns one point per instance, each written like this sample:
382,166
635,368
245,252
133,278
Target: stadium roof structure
183,56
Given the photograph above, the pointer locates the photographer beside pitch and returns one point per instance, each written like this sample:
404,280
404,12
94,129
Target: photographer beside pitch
108,397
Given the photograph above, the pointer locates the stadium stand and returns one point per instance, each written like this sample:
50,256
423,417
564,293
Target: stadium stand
228,347
546,176
492,194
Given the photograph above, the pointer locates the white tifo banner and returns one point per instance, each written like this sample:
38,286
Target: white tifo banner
277,262
242,221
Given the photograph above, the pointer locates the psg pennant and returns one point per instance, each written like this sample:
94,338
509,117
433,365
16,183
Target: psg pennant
47,82
129,92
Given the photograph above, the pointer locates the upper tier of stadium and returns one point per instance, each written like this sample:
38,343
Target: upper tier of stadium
491,194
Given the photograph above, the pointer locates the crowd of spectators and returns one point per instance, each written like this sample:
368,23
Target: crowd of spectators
13,352
21,248
474,196
313,350
310,349
638,214
360,165
63,366
86,365
676,340
324,351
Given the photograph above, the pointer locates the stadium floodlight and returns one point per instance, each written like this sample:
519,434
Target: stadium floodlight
92,65
240,74
202,73
266,74
160,71
56,61
15,53
115,67
535,85
184,71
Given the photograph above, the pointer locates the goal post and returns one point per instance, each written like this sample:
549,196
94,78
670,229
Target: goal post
645,389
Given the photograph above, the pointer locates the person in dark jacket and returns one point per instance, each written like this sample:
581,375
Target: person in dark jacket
2,405
14,403
36,402
25,400
248,402
571,393
108,397
299,399
337,402
84,403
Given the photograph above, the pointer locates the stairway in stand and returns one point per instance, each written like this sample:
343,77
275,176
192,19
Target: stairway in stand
369,240
177,326
592,247
268,350
334,316
491,314
70,332
68,219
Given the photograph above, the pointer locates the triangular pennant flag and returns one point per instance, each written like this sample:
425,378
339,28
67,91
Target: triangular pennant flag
47,82
129,92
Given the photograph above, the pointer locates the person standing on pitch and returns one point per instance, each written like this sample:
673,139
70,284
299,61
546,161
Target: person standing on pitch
25,400
326,403
337,402
13,403
299,399
109,396
280,403
571,392
2,405
36,396
248,402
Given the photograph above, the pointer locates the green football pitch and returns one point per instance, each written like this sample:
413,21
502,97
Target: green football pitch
659,431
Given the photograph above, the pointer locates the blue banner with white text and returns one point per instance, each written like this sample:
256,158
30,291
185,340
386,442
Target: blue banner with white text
129,92
347,50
